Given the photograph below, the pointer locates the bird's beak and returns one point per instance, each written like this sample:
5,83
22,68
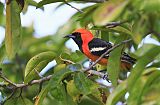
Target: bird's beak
69,36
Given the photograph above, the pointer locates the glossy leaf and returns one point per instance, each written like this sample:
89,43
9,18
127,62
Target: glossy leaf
140,85
73,91
13,28
118,29
105,35
36,64
117,94
53,83
59,93
21,3
100,95
108,11
113,67
1,12
18,101
150,6
2,52
83,84
141,64
151,94
44,2
143,49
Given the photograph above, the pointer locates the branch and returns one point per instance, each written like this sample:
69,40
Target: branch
34,82
96,1
108,51
74,7
115,24
5,79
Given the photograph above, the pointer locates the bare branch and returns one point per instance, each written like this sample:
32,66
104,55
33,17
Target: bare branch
74,7
114,24
34,82
5,79
108,51
95,1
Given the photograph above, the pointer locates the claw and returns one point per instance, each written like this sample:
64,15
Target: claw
105,77
89,75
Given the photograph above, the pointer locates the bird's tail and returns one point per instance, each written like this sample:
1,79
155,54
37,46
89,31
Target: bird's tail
127,61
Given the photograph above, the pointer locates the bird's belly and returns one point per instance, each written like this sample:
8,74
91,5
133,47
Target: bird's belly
103,61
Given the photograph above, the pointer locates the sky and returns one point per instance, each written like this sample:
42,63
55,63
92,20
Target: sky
45,22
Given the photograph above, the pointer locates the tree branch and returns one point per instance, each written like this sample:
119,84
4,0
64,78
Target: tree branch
95,1
6,79
114,24
73,7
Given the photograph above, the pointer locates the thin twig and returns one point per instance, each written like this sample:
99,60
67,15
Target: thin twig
74,7
95,1
6,79
108,51
114,24
34,82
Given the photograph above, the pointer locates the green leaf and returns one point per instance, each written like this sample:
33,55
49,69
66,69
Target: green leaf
59,93
2,53
53,83
13,28
100,95
113,66
1,12
151,94
144,49
18,101
118,29
84,18
21,3
31,2
141,84
83,84
150,6
73,91
36,64
44,2
117,94
141,64
108,11
105,35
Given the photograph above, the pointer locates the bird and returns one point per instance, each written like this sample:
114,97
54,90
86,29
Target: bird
93,48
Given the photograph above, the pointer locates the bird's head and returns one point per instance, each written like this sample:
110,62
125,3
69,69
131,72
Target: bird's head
81,36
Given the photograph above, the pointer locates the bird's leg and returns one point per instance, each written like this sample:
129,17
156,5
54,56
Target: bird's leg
90,63
105,77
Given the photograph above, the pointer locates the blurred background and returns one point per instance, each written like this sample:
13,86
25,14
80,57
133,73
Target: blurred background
43,30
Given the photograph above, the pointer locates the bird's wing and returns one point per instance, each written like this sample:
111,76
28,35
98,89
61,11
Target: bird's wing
98,47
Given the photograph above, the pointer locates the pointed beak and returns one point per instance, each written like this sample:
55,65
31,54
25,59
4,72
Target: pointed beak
69,36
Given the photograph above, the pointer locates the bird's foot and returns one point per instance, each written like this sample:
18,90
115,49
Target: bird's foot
105,77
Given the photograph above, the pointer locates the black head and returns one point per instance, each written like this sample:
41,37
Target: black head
76,36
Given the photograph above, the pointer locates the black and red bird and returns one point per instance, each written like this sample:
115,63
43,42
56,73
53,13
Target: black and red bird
93,48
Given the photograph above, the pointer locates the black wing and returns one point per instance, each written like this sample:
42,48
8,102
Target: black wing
98,47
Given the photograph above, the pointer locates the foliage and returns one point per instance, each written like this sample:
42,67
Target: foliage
22,56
